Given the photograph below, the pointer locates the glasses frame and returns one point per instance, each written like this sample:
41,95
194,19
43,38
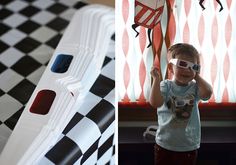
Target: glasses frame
194,67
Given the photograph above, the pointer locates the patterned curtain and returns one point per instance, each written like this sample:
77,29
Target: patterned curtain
212,32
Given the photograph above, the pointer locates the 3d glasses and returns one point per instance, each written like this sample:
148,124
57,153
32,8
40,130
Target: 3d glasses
185,64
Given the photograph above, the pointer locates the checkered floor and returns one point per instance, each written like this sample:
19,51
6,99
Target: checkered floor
30,31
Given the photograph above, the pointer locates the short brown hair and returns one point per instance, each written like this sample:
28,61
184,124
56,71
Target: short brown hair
183,48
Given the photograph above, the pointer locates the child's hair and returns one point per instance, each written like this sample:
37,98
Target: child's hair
185,49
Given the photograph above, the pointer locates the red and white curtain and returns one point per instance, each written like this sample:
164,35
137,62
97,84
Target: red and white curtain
212,32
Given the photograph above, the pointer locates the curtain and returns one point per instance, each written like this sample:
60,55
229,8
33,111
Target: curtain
212,32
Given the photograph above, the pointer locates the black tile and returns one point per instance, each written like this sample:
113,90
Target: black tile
30,0
58,24
0,122
102,86
53,42
106,61
46,64
4,2
66,151
108,163
57,8
105,146
114,150
11,122
4,13
2,67
26,65
76,118
29,11
113,37
27,45
3,46
80,4
103,114
28,26
1,92
90,151
22,91
4,28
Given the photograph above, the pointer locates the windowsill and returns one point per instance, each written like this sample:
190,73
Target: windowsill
135,111
210,135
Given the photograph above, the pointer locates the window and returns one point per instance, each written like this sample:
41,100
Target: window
212,32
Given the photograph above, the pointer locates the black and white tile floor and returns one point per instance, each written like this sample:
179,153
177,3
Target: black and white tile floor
29,32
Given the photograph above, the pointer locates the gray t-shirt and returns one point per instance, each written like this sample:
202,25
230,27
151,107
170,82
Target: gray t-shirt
178,118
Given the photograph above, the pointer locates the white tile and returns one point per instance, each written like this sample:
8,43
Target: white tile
43,17
43,4
45,161
85,133
115,138
9,106
69,2
92,159
113,160
107,133
5,133
108,70
43,34
78,161
15,20
13,36
111,50
36,75
42,54
10,56
106,157
68,14
9,79
110,97
91,101
16,5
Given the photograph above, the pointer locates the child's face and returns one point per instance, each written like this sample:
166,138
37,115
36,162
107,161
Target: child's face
183,76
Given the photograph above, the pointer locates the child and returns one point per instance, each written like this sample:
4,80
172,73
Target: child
178,133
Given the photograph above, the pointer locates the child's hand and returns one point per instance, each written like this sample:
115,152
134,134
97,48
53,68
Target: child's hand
205,89
155,73
197,76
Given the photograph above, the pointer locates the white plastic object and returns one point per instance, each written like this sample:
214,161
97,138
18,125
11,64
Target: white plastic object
87,39
151,130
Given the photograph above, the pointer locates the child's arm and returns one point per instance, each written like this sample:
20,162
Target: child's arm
155,98
205,89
